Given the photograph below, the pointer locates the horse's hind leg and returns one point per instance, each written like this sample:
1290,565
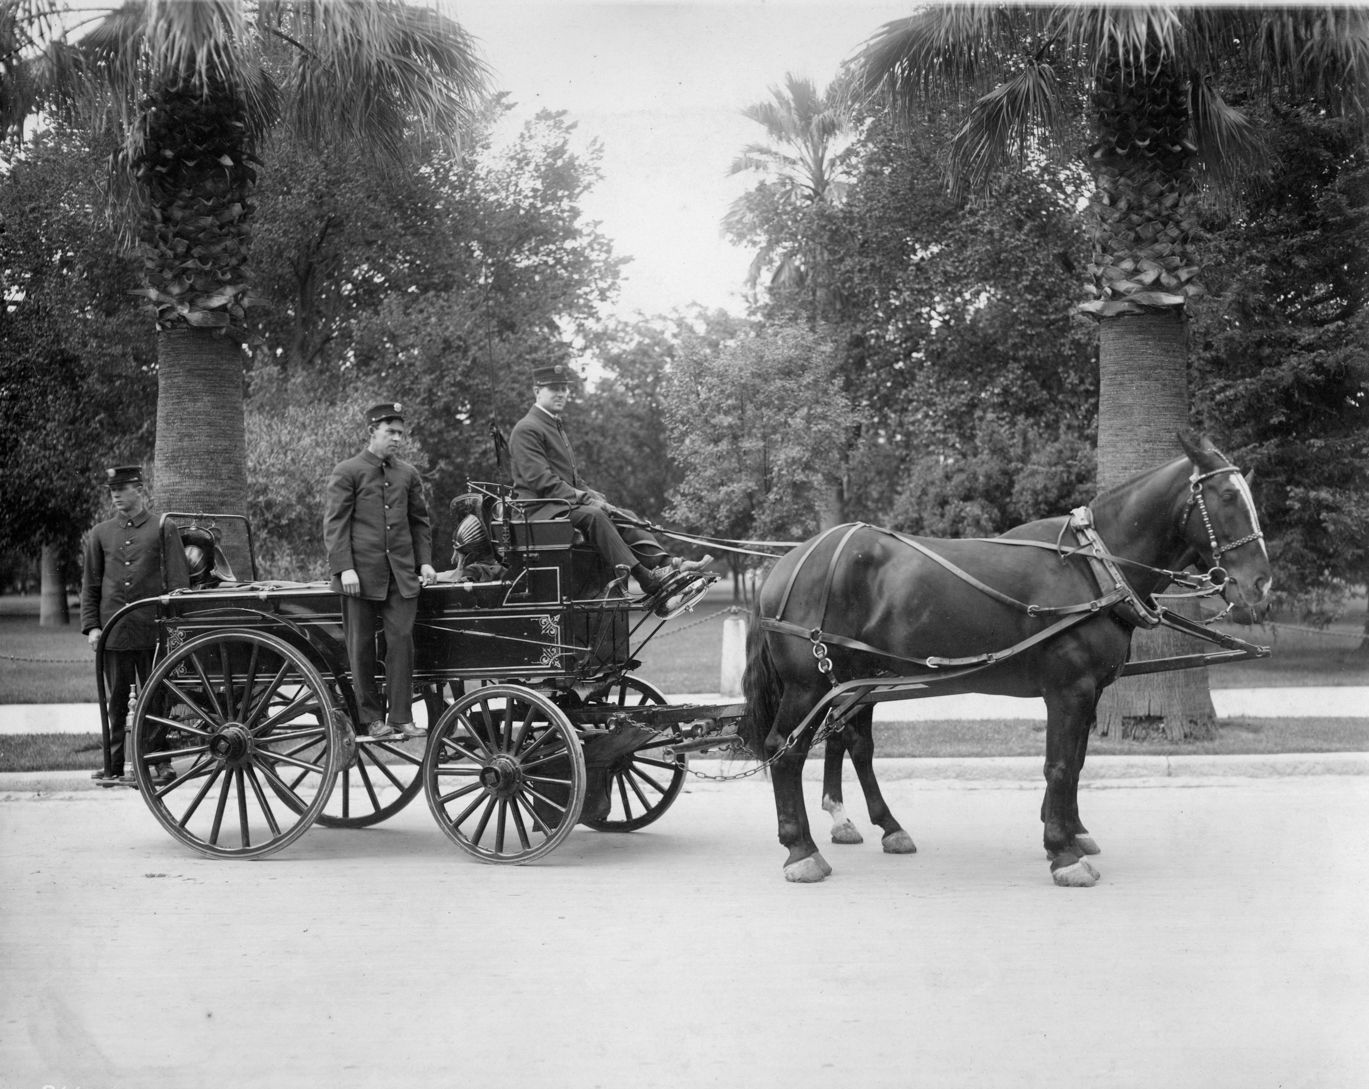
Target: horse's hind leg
804,863
861,744
843,830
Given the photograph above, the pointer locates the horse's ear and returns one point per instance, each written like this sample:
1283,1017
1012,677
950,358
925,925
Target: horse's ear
1249,477
1195,444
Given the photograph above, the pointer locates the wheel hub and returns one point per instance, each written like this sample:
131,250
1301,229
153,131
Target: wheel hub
501,775
232,742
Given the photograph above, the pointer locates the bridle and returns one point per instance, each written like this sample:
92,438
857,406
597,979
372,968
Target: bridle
1217,575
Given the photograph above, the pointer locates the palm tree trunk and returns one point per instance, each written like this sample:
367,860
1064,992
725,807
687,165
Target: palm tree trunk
52,593
1142,361
201,456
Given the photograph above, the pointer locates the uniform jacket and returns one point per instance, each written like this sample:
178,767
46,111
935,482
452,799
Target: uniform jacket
543,462
376,524
122,563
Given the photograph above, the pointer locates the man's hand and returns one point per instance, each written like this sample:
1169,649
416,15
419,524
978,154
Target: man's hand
351,583
595,499
426,575
93,638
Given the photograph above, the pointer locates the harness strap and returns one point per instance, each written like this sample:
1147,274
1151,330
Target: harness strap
934,662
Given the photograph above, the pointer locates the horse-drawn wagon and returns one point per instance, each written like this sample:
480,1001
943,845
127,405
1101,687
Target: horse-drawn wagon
244,734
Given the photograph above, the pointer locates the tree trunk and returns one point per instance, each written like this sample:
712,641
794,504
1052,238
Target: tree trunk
201,457
1142,403
52,599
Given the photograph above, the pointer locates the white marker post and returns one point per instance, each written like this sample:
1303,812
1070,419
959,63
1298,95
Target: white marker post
733,654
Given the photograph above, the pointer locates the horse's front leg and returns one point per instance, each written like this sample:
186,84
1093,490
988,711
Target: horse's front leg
804,863
861,743
1069,712
843,829
1083,843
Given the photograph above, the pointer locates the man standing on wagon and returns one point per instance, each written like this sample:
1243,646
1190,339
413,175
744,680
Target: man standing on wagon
379,542
544,468
123,562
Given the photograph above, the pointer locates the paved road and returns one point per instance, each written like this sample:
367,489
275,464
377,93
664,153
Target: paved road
1224,947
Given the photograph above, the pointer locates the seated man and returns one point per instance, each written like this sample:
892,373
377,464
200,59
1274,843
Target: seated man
544,468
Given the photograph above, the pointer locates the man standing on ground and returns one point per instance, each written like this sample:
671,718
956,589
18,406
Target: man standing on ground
544,468
123,563
379,543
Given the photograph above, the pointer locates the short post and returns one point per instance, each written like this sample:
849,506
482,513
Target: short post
734,653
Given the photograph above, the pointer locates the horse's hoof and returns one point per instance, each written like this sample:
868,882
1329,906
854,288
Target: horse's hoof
807,870
899,843
1085,844
1070,872
846,832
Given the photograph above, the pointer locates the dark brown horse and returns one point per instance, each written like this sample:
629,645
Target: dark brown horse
1047,610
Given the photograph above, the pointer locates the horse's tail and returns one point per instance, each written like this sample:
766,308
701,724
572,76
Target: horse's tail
762,687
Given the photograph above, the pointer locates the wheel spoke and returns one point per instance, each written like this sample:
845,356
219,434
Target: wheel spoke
248,682
224,790
263,801
208,686
264,702
195,708
204,790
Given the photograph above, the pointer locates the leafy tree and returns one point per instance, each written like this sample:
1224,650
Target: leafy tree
758,429
297,430
955,315
525,278
1282,356
192,89
78,389
621,440
1147,79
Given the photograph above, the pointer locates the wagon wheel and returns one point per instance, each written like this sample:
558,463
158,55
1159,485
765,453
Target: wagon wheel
244,723
504,774
379,778
642,784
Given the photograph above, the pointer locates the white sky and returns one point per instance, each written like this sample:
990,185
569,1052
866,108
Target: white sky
661,85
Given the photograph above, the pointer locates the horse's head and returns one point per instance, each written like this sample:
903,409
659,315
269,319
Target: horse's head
1219,523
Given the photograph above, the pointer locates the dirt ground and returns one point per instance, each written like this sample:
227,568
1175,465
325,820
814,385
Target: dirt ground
1223,947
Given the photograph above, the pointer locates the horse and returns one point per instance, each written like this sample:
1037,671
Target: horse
1046,609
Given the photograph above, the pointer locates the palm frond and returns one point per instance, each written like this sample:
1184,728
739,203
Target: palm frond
949,51
1318,51
367,69
1003,125
1229,145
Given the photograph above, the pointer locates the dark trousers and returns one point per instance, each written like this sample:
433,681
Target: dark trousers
125,672
359,629
617,541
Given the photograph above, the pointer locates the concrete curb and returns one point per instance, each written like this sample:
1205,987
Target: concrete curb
1026,770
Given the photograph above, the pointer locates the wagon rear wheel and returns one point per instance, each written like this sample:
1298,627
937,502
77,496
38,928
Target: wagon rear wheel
504,774
644,783
235,745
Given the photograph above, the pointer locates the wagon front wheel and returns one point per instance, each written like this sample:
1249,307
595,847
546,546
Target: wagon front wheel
504,774
235,745
642,783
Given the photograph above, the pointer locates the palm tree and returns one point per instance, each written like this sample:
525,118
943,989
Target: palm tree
805,163
1146,77
193,88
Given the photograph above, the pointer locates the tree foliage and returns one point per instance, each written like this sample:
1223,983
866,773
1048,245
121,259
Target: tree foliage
758,427
78,383
1282,349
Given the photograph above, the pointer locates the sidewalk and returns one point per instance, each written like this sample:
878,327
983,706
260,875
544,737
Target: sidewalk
1349,702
